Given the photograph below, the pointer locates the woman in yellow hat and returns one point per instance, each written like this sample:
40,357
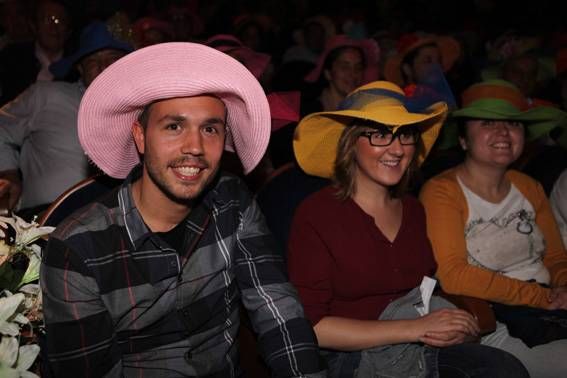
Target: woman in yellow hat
493,232
358,250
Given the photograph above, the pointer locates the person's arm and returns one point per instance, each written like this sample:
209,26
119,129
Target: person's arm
16,120
10,188
555,258
440,328
284,335
80,334
558,199
445,208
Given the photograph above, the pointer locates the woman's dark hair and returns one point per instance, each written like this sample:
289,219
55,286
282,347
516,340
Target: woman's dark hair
462,127
345,162
335,53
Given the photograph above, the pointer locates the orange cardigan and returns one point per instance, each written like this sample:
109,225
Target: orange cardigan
447,212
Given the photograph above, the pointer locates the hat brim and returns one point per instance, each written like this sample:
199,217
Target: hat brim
317,135
118,95
448,46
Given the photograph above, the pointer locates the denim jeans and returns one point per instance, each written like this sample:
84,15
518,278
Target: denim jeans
458,361
476,360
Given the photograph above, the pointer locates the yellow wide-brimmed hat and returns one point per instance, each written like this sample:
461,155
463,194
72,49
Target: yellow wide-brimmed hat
317,135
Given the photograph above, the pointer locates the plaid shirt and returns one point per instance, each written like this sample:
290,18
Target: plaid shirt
119,301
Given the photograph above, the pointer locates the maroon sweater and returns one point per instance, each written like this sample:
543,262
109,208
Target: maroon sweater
342,264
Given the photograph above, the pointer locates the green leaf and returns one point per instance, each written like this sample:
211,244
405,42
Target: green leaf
6,372
32,272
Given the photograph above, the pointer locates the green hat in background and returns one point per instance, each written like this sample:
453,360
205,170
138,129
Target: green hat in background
501,100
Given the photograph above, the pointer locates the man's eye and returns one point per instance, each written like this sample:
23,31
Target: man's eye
172,126
487,122
210,130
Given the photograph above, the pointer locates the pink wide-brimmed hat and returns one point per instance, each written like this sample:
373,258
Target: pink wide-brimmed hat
256,62
369,48
115,99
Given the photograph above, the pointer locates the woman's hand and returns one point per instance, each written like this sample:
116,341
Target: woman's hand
557,298
447,327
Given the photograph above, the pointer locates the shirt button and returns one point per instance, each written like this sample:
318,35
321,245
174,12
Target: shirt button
188,356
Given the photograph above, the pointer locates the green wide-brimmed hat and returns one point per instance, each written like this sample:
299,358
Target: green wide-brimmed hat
501,100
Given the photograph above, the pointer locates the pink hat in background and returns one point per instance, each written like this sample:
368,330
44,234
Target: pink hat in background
368,46
256,62
284,107
118,95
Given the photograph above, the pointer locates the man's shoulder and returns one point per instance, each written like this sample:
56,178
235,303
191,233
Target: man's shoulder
95,217
229,188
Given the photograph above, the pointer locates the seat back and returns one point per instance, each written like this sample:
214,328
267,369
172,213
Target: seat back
77,196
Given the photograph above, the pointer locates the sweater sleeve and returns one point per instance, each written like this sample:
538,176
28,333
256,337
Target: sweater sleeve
446,213
555,258
309,266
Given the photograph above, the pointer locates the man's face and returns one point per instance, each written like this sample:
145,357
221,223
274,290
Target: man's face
53,26
182,145
92,65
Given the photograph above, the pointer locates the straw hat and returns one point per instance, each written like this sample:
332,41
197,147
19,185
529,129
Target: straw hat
448,47
115,99
317,135
501,100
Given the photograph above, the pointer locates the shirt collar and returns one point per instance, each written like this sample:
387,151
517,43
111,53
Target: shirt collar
138,231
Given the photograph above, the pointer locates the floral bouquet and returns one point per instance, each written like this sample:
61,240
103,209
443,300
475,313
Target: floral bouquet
20,313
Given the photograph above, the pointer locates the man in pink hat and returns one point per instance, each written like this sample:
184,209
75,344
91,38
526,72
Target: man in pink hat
148,280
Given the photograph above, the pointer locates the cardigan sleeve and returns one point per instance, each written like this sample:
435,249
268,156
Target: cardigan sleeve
555,258
446,214
309,266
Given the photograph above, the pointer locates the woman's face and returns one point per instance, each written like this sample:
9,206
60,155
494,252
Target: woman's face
385,165
494,143
347,71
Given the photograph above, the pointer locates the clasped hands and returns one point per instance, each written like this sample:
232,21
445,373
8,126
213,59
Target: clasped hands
446,327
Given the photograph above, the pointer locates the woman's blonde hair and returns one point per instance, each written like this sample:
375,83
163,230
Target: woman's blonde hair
345,162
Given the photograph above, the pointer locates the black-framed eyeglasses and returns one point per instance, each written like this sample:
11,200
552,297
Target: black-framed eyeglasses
383,136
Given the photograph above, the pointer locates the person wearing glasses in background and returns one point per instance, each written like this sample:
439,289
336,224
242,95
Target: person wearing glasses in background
358,249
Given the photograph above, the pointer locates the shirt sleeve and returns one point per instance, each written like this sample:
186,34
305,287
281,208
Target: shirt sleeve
16,120
285,337
446,216
309,264
558,201
555,258
80,333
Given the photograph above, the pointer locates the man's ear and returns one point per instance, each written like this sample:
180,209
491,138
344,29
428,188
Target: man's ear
407,72
463,143
327,74
138,135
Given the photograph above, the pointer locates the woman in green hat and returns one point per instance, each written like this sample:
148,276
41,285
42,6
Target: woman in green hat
492,230
358,250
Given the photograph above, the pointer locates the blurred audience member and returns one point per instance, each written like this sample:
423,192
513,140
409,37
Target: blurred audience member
150,31
22,64
345,65
40,154
558,201
415,55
